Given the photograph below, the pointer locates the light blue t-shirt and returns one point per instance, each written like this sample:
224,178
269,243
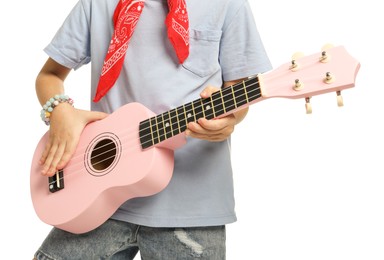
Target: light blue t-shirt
224,45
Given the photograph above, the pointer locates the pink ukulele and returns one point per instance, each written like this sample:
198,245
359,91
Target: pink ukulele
130,153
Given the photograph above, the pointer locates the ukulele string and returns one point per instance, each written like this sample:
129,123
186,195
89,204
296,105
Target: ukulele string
247,93
277,74
164,135
171,126
128,132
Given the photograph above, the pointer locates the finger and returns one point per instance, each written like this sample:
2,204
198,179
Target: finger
212,125
198,131
195,128
44,155
94,116
217,137
209,130
68,153
208,91
48,160
206,127
56,159
217,124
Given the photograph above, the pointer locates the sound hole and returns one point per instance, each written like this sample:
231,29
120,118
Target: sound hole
103,154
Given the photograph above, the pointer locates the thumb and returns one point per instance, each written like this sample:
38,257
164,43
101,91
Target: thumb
96,115
208,91
91,116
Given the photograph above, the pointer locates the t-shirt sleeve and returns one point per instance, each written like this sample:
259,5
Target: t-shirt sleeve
71,44
242,52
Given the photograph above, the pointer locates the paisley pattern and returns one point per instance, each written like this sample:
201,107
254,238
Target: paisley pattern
125,18
178,19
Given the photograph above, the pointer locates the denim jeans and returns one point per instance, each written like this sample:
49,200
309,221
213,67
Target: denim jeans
117,240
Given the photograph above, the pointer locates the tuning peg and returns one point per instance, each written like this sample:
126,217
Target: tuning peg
340,101
327,47
308,106
329,78
324,57
294,64
297,55
298,85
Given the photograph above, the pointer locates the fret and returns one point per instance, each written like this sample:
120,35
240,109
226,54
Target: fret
174,122
193,111
240,97
181,119
229,102
222,102
253,89
185,115
156,124
151,130
170,122
167,125
233,96
207,108
213,106
245,91
160,128
202,106
154,132
190,113
218,103
145,134
198,109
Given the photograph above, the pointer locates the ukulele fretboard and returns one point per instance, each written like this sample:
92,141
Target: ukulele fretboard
173,122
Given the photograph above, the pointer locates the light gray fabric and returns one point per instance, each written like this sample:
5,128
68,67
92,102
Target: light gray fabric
224,44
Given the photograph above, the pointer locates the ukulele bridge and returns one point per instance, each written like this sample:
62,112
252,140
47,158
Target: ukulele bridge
56,182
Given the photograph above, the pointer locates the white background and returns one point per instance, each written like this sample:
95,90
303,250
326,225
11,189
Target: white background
307,186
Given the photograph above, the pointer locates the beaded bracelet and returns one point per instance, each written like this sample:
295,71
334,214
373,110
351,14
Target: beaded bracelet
48,107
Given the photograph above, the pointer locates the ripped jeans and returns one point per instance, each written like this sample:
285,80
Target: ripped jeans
117,240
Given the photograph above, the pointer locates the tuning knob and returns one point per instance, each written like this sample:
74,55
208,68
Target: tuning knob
298,85
308,106
327,46
329,78
324,57
297,55
324,54
294,64
340,101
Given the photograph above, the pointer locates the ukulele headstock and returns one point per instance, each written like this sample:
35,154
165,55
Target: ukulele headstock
331,70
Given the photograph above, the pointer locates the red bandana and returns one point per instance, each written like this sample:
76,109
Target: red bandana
125,18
